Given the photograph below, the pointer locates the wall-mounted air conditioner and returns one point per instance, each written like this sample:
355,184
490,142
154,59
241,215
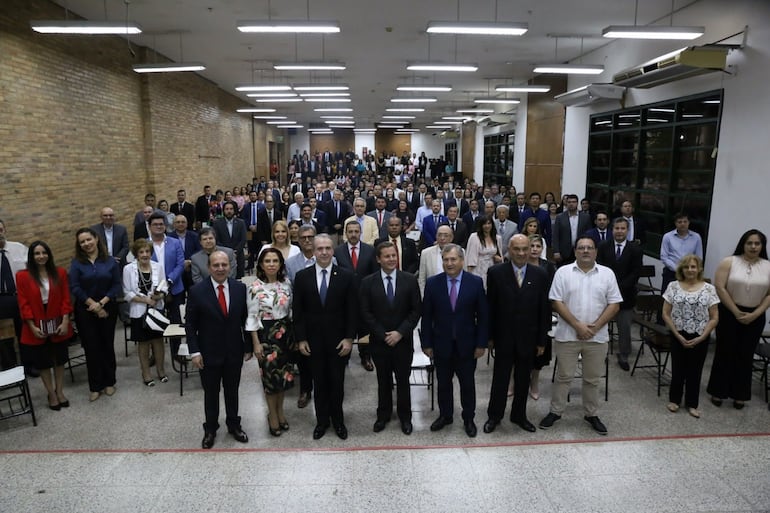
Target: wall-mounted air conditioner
591,93
684,63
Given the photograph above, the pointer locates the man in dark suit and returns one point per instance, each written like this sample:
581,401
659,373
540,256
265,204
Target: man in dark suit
390,308
625,260
430,224
542,216
406,250
114,236
202,205
459,228
471,215
318,215
564,237
358,258
600,233
250,216
521,317
190,245
381,216
216,314
455,322
183,207
337,211
324,326
636,229
231,233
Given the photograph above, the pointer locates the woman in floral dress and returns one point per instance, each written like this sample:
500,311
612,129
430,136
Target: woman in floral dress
269,302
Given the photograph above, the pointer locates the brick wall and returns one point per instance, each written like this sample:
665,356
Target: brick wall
80,130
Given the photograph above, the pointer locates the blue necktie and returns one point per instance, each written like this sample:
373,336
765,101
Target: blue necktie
324,287
618,252
389,291
254,214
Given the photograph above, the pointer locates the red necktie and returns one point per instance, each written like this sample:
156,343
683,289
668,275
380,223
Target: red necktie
354,257
398,260
222,300
380,222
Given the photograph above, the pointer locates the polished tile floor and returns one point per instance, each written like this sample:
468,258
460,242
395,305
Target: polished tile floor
140,451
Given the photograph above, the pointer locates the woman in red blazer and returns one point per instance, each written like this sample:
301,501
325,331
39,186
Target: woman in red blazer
44,304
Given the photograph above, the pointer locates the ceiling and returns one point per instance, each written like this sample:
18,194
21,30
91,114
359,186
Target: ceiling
376,41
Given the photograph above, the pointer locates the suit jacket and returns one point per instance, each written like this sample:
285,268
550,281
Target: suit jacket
526,307
594,234
219,338
332,218
119,240
626,268
338,315
202,209
470,222
370,233
561,238
31,305
191,242
173,263
409,260
382,228
187,210
462,205
429,228
245,213
367,263
543,218
321,220
264,226
509,230
429,265
237,240
199,264
640,232
379,315
461,232
460,331
140,231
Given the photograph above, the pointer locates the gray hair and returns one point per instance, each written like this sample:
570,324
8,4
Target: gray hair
453,247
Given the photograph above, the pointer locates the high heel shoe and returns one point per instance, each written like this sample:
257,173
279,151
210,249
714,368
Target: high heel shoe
65,403
274,432
55,407
284,425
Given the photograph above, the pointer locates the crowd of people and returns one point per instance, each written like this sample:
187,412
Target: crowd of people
365,250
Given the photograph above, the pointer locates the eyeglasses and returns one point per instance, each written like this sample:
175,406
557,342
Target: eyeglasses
585,248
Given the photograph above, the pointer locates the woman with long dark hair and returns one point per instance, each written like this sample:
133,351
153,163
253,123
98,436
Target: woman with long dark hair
95,286
743,285
485,248
44,304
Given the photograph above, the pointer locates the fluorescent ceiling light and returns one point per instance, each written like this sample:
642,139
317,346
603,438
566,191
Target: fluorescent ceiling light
341,126
653,32
310,95
391,125
283,122
441,127
340,122
169,67
428,88
365,130
405,110
450,122
436,66
505,101
321,87
398,117
271,95
333,109
85,27
336,117
328,100
523,89
455,118
309,66
269,117
277,100
662,110
289,26
474,111
480,28
257,88
252,109
416,99
569,69
291,126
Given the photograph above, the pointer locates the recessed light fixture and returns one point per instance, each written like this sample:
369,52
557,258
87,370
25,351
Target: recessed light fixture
309,66
479,28
289,26
269,117
341,126
284,121
449,122
455,118
258,88
333,109
169,67
503,101
398,117
321,87
426,88
340,122
523,89
328,100
85,27
437,66
257,109
416,99
336,117
474,111
271,95
324,95
290,126
569,69
278,100
440,127
653,32
405,110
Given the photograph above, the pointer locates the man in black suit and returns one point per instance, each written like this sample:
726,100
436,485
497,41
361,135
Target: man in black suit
520,319
114,236
390,308
406,250
324,326
569,226
459,228
216,314
600,233
202,205
250,217
636,228
471,215
625,260
231,233
183,207
337,211
265,219
142,230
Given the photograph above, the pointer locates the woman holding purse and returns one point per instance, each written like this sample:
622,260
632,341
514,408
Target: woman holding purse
141,279
44,304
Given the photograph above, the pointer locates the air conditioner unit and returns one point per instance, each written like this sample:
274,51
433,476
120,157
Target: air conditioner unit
591,93
684,63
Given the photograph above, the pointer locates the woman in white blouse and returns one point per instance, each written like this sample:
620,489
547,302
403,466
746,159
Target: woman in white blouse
690,312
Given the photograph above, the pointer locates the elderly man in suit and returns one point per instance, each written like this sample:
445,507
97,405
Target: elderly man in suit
431,262
231,233
625,260
216,314
199,262
322,294
390,308
455,321
520,319
569,226
505,227
114,236
406,249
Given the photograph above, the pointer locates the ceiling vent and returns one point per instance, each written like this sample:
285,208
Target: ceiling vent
589,94
684,63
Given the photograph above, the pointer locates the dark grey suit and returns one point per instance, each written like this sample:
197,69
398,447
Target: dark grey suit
561,238
236,241
119,241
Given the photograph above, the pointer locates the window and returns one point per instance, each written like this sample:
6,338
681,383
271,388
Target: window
450,154
661,157
498,158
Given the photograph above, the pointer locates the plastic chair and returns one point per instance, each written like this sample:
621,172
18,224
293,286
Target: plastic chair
15,398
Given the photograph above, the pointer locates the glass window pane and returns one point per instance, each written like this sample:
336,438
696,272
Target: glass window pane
697,135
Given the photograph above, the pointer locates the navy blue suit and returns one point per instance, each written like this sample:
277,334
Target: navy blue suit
429,229
454,336
221,342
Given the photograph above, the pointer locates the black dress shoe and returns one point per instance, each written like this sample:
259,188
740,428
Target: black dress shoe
342,431
597,424
524,424
624,365
470,428
406,427
319,431
490,425
440,422
379,425
304,399
367,364
239,435
208,440
548,420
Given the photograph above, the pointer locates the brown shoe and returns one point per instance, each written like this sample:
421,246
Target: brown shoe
304,399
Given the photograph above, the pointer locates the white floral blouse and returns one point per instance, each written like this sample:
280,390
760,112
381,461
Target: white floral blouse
267,301
690,310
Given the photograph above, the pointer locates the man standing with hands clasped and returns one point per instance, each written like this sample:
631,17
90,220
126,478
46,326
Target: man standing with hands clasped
216,314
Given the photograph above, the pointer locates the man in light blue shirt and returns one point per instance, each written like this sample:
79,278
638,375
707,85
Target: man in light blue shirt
676,244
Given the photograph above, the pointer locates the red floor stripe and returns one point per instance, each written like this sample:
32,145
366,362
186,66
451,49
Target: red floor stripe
390,447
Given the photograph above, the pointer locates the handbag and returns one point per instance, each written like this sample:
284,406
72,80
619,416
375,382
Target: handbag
154,320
